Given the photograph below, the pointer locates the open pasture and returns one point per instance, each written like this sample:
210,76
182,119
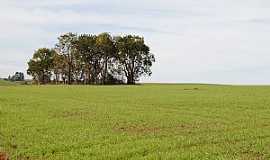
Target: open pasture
150,121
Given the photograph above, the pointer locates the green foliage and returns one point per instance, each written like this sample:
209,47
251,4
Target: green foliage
88,55
94,59
135,122
65,48
18,76
40,66
107,49
134,56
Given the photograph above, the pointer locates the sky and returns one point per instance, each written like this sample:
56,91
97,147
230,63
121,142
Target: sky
194,41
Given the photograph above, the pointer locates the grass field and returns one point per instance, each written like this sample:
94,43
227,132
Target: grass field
135,122
6,83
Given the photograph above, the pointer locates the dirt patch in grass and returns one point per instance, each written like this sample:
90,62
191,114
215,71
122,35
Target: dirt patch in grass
136,129
190,89
251,155
4,156
74,114
147,129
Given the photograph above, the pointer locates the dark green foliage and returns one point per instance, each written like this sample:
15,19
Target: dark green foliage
65,48
92,59
134,56
41,65
18,76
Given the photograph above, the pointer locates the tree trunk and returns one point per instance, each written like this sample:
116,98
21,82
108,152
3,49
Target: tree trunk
105,71
89,76
69,74
43,77
130,80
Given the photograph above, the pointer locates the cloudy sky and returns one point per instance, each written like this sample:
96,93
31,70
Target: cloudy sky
203,41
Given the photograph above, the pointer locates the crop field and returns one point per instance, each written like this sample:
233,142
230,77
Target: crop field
150,121
6,83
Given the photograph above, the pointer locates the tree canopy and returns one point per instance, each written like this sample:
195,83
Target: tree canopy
40,66
92,59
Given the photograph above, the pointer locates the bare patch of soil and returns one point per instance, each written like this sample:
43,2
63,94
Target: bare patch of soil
3,156
146,129
74,114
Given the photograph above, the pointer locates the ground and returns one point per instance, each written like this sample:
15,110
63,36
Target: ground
150,121
6,83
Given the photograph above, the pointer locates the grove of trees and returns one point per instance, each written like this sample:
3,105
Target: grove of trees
18,76
92,59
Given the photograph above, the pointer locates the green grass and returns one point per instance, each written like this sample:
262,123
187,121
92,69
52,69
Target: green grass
6,83
150,121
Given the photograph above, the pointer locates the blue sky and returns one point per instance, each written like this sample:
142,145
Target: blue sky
221,41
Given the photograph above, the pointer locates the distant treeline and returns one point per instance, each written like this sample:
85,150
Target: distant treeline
92,59
18,76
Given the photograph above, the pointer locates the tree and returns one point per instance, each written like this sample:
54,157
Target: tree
41,65
60,68
107,50
92,59
18,76
85,47
134,57
65,47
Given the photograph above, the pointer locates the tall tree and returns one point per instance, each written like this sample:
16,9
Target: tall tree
86,48
60,68
93,59
18,76
64,47
107,50
41,65
134,56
